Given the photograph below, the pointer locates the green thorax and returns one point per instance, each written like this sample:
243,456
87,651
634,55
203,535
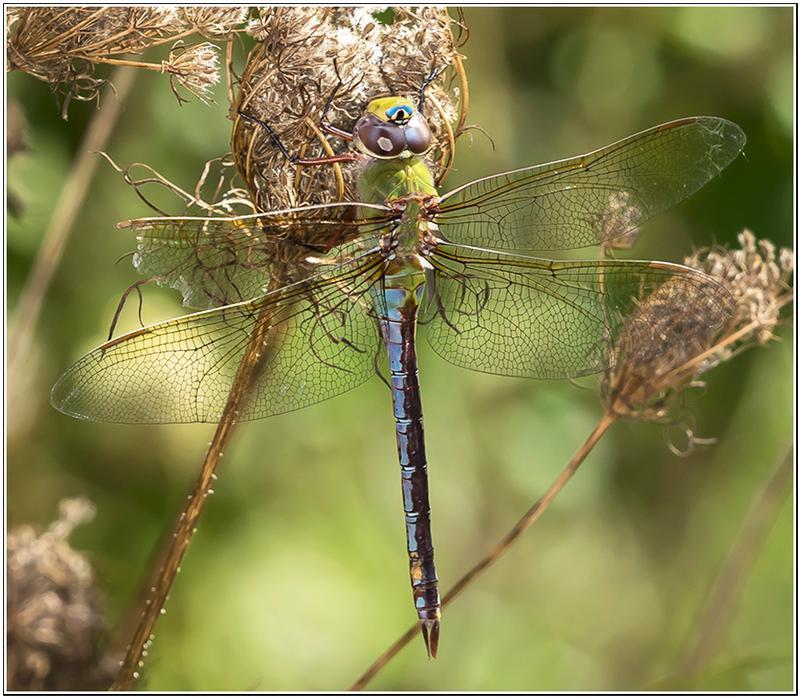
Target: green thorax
385,180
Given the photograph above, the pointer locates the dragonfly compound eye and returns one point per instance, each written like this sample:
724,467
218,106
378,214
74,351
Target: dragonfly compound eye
379,139
418,135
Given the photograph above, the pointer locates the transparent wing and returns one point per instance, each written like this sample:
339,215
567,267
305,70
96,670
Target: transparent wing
316,339
218,261
591,199
522,316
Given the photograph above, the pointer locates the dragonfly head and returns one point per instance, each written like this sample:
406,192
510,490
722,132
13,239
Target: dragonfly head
392,127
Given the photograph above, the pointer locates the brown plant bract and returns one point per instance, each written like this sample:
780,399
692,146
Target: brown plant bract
290,74
691,324
55,616
63,45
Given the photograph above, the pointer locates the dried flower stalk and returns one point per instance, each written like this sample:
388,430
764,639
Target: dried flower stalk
529,518
720,603
70,201
673,336
55,612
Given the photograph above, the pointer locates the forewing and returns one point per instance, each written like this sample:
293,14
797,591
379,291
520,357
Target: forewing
316,339
601,197
522,316
219,261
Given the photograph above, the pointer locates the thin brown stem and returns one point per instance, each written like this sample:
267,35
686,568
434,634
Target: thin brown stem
719,607
326,146
256,355
69,203
464,83
51,46
158,67
527,520
449,152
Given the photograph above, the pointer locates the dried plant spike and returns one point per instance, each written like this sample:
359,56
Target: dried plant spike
290,74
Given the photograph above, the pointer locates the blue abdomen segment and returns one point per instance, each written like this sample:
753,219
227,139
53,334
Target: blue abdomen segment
399,330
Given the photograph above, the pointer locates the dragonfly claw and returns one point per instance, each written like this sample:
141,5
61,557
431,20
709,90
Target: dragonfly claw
430,633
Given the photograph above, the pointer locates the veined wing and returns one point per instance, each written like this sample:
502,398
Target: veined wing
523,316
218,261
310,341
591,199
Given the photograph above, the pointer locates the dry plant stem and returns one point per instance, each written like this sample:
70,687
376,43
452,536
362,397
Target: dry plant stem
724,593
527,520
66,210
230,76
255,356
464,83
337,168
158,67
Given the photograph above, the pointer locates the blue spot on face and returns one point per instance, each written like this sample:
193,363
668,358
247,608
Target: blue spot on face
398,113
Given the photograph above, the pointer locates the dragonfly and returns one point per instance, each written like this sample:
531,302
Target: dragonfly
358,279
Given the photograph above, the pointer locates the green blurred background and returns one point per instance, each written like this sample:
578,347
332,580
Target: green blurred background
297,577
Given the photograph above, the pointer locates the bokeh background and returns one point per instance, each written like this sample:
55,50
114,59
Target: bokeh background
297,577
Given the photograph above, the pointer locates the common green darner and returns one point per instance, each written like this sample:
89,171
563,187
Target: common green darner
363,275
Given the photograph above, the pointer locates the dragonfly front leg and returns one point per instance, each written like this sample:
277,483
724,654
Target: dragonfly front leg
399,329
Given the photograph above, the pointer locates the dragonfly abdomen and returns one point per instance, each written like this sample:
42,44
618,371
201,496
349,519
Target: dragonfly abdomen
399,330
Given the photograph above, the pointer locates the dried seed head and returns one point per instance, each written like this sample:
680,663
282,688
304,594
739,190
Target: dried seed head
694,322
656,352
214,22
758,276
195,68
291,73
55,616
62,45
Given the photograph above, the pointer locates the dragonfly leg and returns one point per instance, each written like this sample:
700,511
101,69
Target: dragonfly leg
295,159
326,125
435,72
386,79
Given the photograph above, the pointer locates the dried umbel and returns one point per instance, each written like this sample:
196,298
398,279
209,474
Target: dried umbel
653,354
195,68
63,45
55,616
293,69
692,323
758,276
